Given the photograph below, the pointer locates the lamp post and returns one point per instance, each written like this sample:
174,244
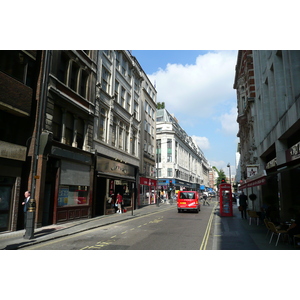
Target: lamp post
228,166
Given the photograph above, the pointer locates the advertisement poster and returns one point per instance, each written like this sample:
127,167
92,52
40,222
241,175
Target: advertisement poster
63,196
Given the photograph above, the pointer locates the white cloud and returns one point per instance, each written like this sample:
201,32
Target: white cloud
201,141
204,85
229,123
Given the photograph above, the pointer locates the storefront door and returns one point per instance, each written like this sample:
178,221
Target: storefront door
6,184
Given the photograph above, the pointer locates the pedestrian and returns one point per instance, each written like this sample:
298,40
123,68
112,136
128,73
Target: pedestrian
119,202
26,203
205,199
243,205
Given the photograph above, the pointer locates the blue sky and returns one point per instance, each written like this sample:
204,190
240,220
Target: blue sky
197,87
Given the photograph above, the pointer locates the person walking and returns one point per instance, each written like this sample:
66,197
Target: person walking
26,203
205,200
119,202
243,205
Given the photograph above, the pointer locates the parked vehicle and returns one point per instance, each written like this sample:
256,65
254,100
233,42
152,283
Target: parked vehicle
188,200
212,194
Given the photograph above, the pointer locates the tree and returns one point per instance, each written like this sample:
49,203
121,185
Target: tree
160,105
221,175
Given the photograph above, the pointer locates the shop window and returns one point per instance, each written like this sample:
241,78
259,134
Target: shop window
73,195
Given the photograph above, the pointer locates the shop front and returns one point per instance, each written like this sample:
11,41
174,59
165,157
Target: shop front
113,177
147,195
72,186
12,161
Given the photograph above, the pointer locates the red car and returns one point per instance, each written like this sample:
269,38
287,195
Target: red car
188,200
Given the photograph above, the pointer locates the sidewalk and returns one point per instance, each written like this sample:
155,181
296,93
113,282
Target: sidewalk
14,240
235,233
228,233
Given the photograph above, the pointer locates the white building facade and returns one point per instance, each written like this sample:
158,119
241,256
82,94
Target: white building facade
181,165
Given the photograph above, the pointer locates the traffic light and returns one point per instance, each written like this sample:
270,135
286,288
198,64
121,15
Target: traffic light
223,180
170,185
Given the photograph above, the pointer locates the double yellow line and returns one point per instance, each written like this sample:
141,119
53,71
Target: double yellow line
207,231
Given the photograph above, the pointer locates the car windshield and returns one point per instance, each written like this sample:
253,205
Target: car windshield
187,195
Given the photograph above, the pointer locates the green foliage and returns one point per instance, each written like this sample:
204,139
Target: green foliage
160,105
221,175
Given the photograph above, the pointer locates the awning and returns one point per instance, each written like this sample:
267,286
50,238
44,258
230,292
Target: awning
254,181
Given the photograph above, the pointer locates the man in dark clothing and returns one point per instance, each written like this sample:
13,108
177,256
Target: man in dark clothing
243,204
26,203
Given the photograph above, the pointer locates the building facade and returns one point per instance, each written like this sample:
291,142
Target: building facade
64,190
123,95
180,162
147,170
270,127
19,90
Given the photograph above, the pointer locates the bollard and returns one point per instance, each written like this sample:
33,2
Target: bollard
30,217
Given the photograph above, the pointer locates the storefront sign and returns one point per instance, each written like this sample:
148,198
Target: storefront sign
272,163
106,165
252,170
293,153
12,151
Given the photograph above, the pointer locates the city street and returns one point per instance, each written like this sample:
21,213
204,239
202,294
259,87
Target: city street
163,230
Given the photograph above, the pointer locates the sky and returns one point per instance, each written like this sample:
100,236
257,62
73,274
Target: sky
197,87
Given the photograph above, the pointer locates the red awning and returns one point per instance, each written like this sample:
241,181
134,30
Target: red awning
253,182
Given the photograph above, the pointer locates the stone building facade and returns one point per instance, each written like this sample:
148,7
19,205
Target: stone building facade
273,139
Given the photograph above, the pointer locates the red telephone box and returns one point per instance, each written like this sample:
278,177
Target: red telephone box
225,195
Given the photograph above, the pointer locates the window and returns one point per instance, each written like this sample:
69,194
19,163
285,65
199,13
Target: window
102,122
133,142
169,150
114,132
83,84
116,91
105,80
63,68
72,195
170,172
124,67
158,151
69,128
128,102
117,60
80,133
74,77
17,65
123,92
127,139
121,133
57,123
136,109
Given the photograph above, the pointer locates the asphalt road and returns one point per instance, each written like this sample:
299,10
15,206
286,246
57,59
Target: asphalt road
164,230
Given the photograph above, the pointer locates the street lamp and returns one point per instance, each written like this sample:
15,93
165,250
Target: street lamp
228,166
